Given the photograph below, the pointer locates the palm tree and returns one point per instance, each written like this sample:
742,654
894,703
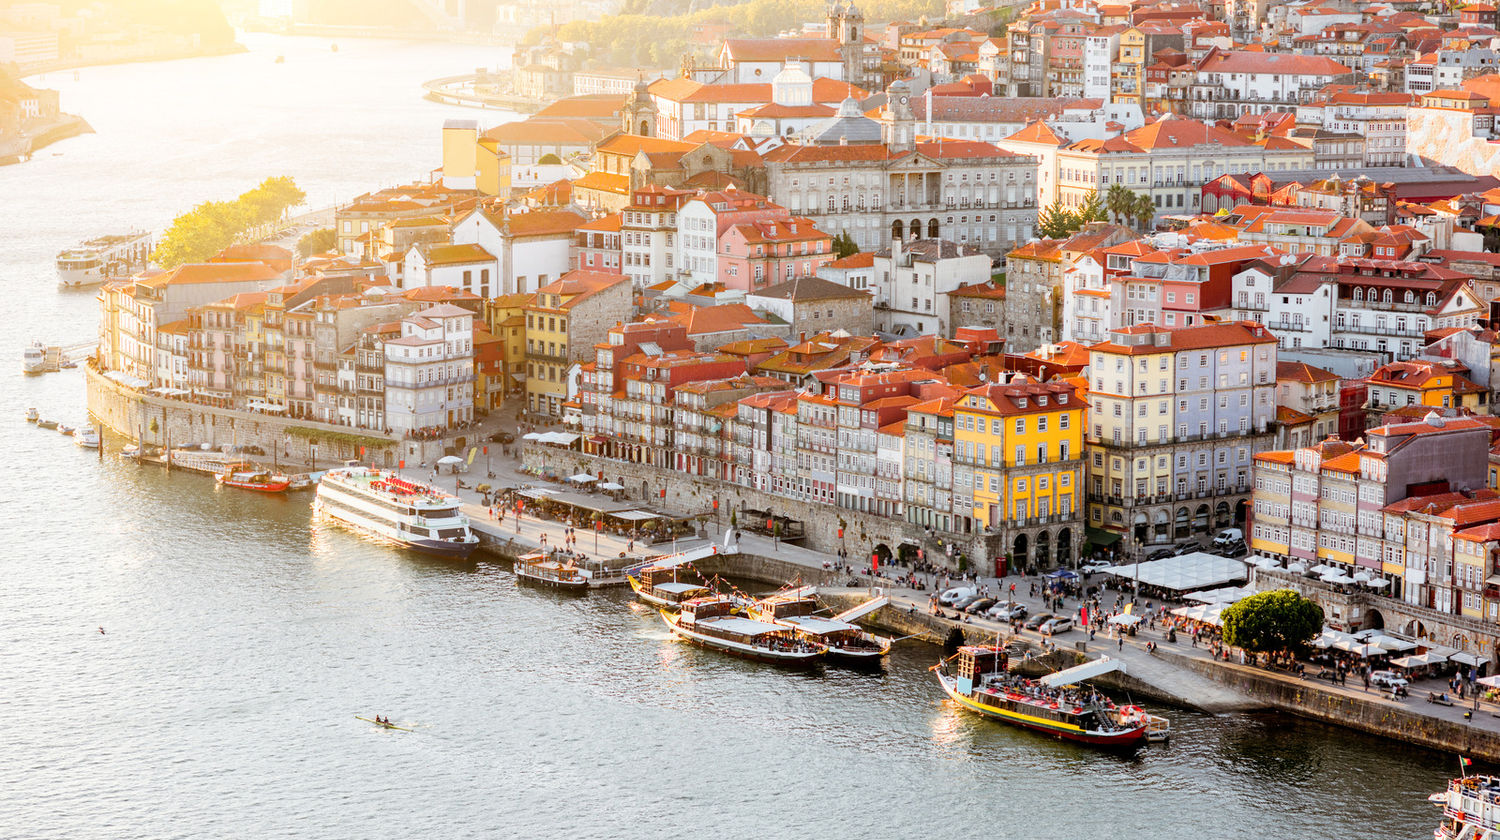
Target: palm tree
1144,211
1119,200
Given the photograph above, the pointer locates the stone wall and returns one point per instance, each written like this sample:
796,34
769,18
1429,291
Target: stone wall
696,494
131,414
1447,137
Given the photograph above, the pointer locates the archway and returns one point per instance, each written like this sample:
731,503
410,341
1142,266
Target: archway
882,553
1159,523
1140,527
915,228
1064,547
1043,550
906,553
1221,515
1415,629
897,231
932,228
645,128
645,489
1018,549
1200,518
1181,524
1374,620
1241,510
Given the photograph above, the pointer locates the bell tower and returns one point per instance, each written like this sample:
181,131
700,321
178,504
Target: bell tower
638,114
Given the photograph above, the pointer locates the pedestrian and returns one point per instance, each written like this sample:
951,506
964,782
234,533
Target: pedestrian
1121,643
1366,676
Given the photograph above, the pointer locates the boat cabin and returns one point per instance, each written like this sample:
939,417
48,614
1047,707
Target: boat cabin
975,662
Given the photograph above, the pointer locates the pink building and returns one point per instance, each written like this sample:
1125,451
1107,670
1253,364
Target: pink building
763,253
596,245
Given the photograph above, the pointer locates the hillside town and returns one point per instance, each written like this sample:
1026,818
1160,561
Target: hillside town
1034,285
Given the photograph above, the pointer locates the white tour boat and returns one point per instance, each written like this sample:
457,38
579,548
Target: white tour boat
1471,809
86,437
106,257
409,512
34,359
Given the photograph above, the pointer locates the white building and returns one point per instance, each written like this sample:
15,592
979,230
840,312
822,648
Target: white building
530,249
429,370
1100,48
467,267
913,279
1230,83
1378,118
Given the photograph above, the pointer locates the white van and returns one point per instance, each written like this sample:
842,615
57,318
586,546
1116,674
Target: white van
956,594
1227,536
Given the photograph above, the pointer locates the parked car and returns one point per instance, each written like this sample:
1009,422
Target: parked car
1038,620
1186,548
1161,553
979,606
502,437
1094,567
955,594
1061,624
1387,679
1006,611
963,603
1231,549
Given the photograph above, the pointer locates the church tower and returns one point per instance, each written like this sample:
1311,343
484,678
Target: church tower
638,114
900,122
846,25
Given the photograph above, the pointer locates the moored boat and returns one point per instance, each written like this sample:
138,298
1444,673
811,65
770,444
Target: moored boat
979,680
1471,809
541,568
385,504
32,416
845,641
64,429
46,424
713,622
34,359
101,259
660,587
86,437
247,477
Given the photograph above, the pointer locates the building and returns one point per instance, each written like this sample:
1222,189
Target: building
914,279
1176,417
429,371
1307,404
530,249
757,254
810,305
1018,468
563,323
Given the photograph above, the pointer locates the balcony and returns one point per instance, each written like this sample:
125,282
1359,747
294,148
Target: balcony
1290,326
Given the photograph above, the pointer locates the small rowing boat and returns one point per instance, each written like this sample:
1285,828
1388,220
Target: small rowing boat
383,724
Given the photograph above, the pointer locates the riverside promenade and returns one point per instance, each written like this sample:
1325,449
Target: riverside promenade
1178,674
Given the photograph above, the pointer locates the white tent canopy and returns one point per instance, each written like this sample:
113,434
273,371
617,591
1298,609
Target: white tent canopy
1223,595
1087,671
1124,619
1198,570
610,485
1418,660
634,515
449,460
581,478
1465,658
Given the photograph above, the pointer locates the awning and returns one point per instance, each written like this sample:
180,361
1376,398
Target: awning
1183,573
610,485
581,478
633,515
1125,619
1466,658
1086,671
536,492
1100,537
598,440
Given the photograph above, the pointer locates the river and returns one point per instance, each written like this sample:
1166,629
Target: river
240,640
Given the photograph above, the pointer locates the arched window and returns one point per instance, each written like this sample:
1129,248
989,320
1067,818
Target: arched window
1431,299
896,233
1410,297
1359,295
1386,298
932,229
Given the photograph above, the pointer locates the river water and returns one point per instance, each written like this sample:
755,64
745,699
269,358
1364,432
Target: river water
241,640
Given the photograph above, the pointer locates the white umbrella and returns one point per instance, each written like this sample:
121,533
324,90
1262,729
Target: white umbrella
1124,619
1298,567
582,478
1465,658
1492,682
1392,643
610,485
1358,648
1321,569
450,460
1378,584
1361,577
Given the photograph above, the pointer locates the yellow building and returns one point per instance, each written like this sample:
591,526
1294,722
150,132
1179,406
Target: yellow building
1423,382
471,162
1018,457
563,323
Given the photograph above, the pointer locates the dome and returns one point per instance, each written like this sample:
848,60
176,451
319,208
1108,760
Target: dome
792,86
850,108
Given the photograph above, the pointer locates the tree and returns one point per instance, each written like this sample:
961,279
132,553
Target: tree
1143,211
316,242
1092,210
1056,221
213,226
1120,201
844,246
1272,621
549,159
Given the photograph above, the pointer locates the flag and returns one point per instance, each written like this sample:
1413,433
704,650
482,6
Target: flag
1466,762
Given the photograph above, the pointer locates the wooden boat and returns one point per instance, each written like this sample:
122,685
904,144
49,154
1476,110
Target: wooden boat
46,424
64,429
382,724
847,642
31,415
661,588
713,622
246,477
980,682
541,569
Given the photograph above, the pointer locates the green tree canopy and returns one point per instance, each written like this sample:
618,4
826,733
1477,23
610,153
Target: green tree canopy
1120,201
213,226
1092,210
1056,221
1272,621
316,242
844,246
